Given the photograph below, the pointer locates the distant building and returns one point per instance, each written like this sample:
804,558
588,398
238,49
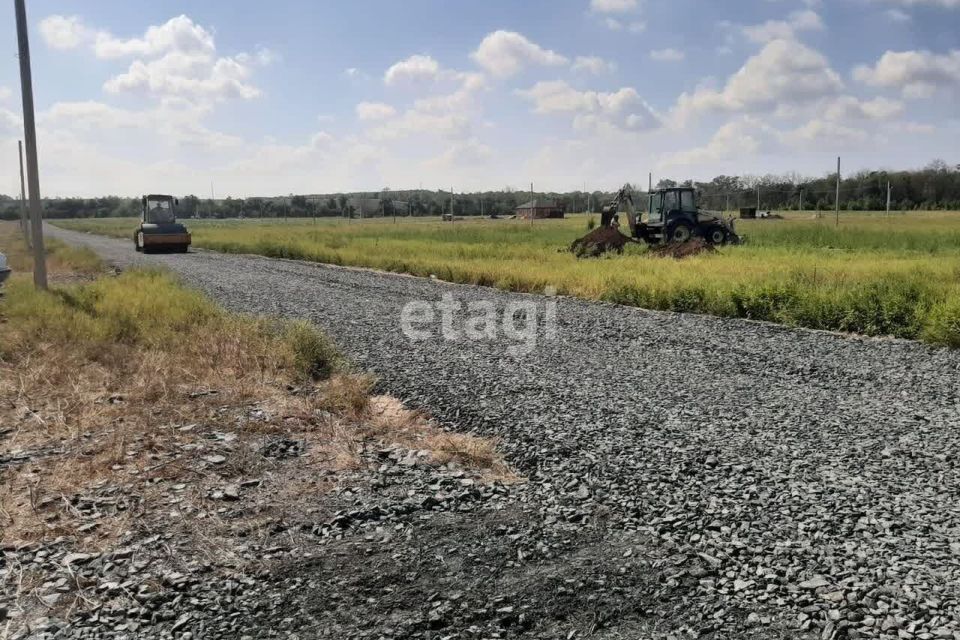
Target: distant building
539,209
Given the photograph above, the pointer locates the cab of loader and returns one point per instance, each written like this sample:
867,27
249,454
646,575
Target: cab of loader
673,215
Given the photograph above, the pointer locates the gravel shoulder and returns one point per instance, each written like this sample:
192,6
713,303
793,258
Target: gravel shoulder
685,475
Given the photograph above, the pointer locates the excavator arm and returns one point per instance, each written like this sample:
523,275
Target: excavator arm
623,203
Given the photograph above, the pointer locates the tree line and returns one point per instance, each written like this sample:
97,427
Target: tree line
936,186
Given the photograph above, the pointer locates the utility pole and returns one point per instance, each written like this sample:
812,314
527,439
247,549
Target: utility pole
726,207
30,136
533,205
758,197
451,204
838,191
801,199
24,221
888,197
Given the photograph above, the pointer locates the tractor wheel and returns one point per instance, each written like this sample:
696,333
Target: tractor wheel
716,235
136,242
679,233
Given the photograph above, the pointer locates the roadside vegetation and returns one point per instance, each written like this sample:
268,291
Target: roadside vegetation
112,383
875,274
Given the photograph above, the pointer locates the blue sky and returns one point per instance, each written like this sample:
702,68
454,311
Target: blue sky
295,96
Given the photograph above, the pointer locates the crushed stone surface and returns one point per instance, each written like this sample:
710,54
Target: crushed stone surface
686,476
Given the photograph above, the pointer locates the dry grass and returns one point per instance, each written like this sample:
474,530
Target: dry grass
386,419
115,392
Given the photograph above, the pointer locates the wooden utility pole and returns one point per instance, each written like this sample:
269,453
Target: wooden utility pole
24,220
838,192
30,137
801,199
888,197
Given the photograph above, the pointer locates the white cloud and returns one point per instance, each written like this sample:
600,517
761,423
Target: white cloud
65,32
819,134
806,20
177,124
593,64
946,4
462,99
897,15
10,122
614,6
175,59
4,93
180,34
416,122
915,127
593,110
375,111
808,3
266,57
850,109
468,153
635,26
742,137
783,73
667,55
193,76
916,74
505,53
613,24
447,115
416,68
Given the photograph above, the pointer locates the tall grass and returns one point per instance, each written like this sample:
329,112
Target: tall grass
150,311
147,310
873,274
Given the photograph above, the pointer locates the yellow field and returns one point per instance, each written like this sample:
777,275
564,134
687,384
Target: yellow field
874,274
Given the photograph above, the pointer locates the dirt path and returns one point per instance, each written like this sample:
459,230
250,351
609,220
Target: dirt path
686,475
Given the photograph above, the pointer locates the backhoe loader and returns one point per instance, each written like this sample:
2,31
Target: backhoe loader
672,215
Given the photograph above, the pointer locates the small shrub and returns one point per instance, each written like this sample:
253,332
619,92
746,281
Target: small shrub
347,394
591,223
943,323
764,302
314,355
688,300
895,307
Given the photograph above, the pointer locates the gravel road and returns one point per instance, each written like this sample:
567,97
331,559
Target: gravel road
686,475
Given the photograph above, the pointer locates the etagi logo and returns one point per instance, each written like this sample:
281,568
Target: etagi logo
520,322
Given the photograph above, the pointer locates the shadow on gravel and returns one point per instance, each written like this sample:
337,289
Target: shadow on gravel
493,575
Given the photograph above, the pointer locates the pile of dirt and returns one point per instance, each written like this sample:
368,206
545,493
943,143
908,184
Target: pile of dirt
598,242
682,250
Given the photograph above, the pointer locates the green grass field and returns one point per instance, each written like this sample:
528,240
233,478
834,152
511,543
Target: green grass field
874,274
